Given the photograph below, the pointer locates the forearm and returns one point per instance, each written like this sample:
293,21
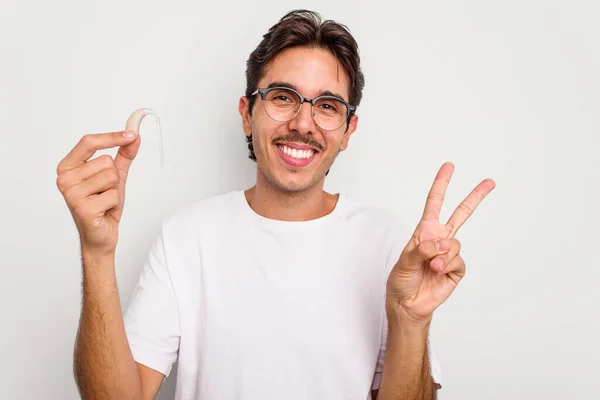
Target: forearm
103,364
406,370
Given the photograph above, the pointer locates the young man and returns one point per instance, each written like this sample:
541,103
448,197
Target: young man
281,291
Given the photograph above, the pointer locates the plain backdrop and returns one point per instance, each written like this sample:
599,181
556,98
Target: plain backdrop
505,90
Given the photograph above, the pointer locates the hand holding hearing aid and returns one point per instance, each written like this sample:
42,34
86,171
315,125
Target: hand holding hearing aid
94,190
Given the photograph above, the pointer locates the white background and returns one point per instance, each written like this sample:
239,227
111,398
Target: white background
508,90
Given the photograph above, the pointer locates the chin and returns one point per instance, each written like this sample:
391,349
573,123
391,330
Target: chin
290,180
293,182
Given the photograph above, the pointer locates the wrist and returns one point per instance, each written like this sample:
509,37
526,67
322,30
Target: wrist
99,275
92,256
400,317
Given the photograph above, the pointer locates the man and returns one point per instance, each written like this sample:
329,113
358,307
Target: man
281,291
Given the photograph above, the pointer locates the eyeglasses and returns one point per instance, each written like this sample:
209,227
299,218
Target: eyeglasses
283,104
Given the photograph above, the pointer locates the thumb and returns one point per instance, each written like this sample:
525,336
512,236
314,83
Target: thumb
425,251
127,153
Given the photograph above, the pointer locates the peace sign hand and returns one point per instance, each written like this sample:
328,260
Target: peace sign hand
430,265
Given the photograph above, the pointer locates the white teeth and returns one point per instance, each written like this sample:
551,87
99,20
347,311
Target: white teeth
299,154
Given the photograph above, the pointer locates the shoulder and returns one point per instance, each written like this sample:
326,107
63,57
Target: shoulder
373,217
202,213
376,225
380,228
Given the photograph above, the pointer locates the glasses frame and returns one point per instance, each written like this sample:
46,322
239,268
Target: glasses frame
349,107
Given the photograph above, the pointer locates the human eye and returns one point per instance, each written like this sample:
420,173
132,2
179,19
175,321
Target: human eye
282,97
330,106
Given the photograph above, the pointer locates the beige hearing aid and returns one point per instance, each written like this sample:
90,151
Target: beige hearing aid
134,122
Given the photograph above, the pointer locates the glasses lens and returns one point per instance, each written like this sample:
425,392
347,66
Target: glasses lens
330,113
282,104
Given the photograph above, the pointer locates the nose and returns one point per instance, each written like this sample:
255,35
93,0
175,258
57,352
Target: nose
303,123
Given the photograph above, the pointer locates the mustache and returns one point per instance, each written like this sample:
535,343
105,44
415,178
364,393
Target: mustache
298,138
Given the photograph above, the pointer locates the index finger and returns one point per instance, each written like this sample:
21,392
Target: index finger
435,198
89,144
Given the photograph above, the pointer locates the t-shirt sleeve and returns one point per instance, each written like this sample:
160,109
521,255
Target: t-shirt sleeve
152,317
400,238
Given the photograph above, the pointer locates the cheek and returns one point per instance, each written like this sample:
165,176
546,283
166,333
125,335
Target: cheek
267,129
340,143
261,134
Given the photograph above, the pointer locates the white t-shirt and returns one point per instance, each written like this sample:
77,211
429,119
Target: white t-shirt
255,308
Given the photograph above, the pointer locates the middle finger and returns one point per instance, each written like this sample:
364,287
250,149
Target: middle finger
77,175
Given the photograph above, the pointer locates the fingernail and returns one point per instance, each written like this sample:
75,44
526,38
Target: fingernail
441,245
129,134
438,264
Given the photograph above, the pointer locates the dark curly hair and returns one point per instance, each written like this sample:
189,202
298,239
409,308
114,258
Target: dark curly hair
305,28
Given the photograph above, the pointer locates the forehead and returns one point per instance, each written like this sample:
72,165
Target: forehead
311,70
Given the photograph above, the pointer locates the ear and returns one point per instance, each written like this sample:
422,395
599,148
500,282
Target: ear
351,128
246,117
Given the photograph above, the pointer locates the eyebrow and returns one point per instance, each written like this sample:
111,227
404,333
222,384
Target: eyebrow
291,86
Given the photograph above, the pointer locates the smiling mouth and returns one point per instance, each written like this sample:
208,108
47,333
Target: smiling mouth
298,154
296,157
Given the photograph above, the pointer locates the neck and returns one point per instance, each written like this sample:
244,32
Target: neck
273,203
